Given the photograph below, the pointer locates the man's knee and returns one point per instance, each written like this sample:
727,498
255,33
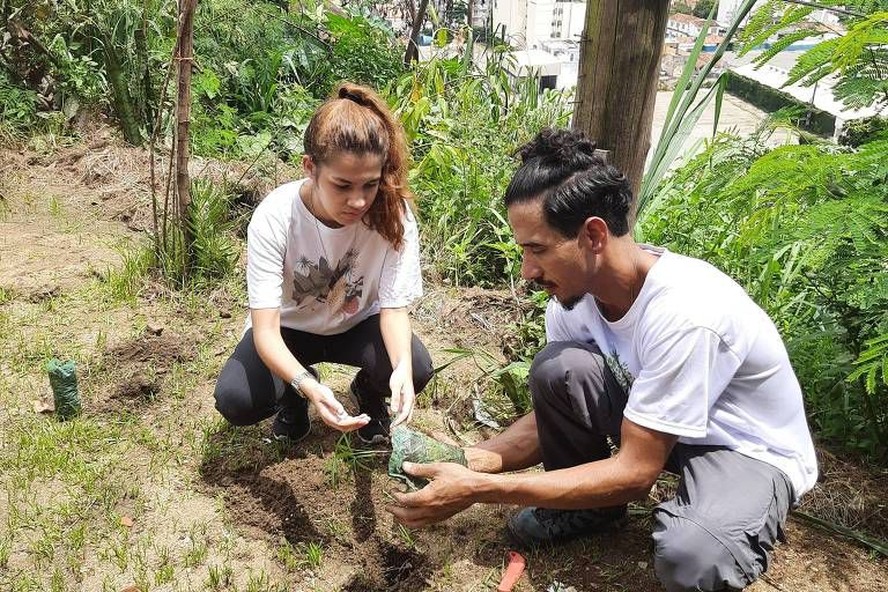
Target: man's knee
559,357
561,362
688,557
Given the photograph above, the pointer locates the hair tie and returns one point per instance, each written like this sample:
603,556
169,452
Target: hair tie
344,93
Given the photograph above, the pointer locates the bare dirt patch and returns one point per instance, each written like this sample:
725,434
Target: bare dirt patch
139,368
294,499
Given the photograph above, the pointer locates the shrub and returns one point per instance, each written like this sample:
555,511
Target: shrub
805,230
18,108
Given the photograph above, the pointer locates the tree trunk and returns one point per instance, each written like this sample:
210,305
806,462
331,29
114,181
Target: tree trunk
120,95
618,74
183,118
412,52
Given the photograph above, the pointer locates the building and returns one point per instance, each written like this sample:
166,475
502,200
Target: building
686,25
775,73
568,20
727,12
529,23
535,63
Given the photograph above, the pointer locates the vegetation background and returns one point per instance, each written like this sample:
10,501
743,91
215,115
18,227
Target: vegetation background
803,227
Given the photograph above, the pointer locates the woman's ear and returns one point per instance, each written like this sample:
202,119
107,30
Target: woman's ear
308,166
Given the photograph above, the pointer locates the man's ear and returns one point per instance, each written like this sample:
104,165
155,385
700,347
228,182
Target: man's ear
594,234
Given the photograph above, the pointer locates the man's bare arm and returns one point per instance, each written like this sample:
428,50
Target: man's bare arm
518,447
625,477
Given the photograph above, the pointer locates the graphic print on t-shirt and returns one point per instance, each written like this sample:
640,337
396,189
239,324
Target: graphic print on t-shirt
619,370
334,287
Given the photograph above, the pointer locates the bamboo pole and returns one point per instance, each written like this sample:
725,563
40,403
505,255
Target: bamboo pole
183,119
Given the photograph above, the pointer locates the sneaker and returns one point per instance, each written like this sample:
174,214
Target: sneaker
291,424
377,430
536,527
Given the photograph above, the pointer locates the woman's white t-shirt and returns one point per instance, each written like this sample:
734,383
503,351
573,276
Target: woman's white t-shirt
701,361
325,280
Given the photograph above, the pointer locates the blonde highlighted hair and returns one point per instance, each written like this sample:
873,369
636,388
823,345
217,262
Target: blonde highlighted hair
357,120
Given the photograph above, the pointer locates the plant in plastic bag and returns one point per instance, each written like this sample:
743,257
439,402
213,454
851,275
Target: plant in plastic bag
411,446
63,379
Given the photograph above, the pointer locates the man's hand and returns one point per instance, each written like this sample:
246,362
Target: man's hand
330,409
403,397
449,492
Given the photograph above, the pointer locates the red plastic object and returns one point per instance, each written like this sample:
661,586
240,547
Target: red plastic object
513,572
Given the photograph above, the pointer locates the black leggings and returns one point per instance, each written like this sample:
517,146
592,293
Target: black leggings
247,392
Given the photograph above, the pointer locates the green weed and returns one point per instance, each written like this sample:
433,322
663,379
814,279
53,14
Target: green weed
406,536
346,460
197,552
449,109
219,577
55,207
313,554
257,582
125,283
5,549
302,556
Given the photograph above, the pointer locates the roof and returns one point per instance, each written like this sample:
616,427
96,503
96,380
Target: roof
776,72
687,18
534,59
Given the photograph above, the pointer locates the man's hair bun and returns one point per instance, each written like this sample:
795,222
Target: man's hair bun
570,149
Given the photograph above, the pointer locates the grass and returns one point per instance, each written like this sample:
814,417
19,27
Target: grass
347,460
68,484
307,556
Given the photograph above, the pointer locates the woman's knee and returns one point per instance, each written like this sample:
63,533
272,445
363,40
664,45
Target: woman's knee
423,368
688,557
234,405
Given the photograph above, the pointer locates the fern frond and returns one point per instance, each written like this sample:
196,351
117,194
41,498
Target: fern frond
872,364
768,19
814,64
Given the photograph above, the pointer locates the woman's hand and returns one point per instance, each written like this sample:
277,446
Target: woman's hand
330,409
403,397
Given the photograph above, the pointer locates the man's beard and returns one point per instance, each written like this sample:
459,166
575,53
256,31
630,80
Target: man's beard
568,304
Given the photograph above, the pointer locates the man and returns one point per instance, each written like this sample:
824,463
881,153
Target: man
662,354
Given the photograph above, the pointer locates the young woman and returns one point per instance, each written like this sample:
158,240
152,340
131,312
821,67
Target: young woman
332,264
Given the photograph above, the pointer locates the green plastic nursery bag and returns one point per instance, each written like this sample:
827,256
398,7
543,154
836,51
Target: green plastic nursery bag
63,379
412,446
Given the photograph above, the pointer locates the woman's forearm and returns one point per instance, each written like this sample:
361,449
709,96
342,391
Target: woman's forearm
394,324
270,345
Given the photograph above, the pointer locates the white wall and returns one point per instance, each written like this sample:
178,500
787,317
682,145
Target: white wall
512,14
539,21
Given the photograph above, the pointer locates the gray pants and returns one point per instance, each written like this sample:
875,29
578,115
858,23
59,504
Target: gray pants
729,509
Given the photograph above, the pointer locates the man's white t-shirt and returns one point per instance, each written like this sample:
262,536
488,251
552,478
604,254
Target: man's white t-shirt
325,280
702,361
